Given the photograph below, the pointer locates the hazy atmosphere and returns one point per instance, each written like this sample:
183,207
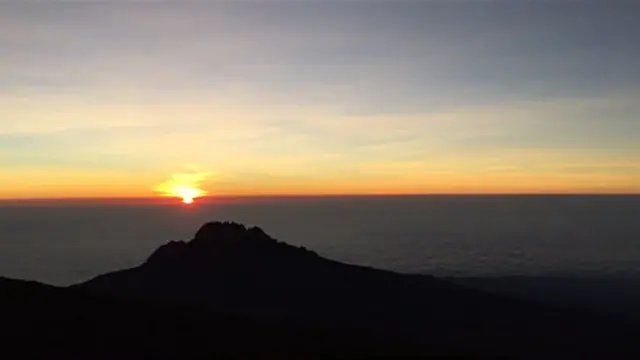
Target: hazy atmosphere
320,179
112,99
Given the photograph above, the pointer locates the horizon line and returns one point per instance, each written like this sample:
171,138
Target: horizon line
263,196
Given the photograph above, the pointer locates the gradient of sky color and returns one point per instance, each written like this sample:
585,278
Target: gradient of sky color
113,98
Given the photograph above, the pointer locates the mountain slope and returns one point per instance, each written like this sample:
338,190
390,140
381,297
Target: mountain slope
45,322
231,269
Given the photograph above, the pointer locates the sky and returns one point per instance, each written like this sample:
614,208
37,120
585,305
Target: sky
113,99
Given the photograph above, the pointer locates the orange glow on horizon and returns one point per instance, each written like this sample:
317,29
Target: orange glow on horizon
183,186
31,184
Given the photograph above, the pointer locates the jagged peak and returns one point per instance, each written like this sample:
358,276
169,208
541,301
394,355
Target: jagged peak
217,237
219,228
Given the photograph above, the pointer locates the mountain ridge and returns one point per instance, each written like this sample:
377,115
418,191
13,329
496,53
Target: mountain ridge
239,287
230,268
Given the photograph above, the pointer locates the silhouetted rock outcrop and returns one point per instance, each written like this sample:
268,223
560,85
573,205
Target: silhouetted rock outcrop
221,242
228,268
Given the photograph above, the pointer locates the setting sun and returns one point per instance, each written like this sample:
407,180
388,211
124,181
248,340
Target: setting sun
188,194
183,186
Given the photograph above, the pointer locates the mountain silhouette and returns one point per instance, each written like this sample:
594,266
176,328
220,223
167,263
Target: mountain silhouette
235,292
229,268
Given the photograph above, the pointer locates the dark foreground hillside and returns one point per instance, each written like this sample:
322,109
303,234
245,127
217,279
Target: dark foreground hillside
45,322
234,292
